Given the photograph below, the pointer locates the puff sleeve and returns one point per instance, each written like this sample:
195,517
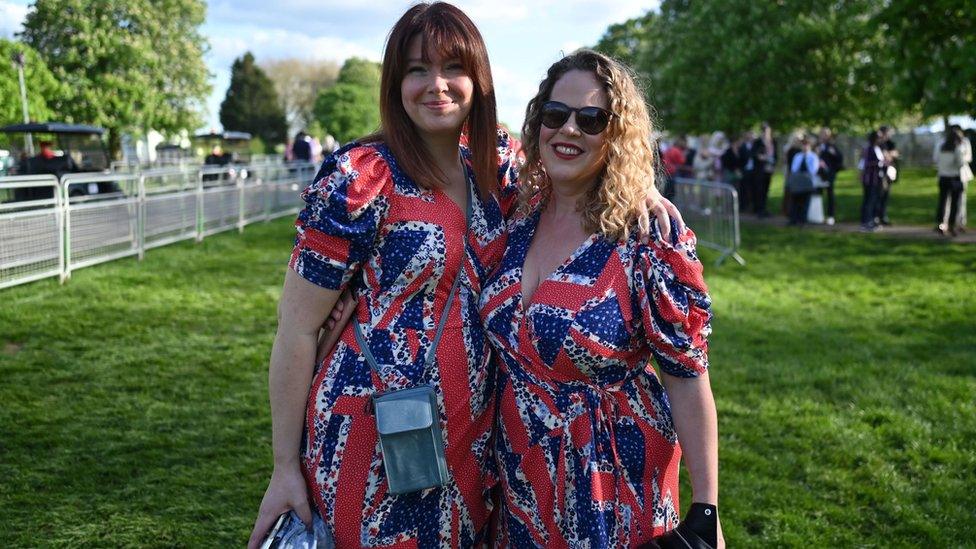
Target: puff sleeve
674,303
344,208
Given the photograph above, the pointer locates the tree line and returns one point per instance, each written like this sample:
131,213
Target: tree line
848,64
132,66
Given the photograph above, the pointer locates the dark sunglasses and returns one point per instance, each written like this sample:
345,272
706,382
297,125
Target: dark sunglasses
590,120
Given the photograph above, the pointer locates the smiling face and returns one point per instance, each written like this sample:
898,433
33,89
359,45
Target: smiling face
571,158
437,95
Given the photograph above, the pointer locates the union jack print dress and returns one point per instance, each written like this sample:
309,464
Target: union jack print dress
586,449
365,215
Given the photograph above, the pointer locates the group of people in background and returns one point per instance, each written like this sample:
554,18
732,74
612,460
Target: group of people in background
308,148
953,160
749,162
811,165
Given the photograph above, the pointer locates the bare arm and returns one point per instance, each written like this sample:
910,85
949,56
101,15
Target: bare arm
696,422
301,311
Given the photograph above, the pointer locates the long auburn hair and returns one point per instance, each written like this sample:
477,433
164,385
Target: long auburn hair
447,32
616,201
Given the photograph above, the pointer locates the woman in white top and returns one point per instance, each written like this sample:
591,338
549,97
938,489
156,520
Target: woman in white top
949,162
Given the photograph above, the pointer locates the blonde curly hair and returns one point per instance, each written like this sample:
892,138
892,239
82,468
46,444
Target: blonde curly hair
617,200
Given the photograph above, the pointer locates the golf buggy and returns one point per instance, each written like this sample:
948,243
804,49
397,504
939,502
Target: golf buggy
57,149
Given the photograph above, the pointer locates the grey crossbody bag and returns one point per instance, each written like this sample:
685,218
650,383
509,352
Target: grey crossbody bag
408,420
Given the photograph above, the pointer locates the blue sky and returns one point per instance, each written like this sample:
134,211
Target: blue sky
523,38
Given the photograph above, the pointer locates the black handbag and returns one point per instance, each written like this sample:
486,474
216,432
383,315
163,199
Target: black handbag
408,420
699,530
801,182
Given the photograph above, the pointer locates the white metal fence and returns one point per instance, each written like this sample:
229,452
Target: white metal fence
712,209
31,235
50,227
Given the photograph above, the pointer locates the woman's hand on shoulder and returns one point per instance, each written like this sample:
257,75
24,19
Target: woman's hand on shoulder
285,492
662,210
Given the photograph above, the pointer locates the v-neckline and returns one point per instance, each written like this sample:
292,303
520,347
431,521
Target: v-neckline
578,251
468,191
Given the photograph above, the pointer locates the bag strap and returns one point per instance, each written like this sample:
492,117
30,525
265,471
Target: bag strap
429,359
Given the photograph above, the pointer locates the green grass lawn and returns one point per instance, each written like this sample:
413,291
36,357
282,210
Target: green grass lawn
913,201
134,399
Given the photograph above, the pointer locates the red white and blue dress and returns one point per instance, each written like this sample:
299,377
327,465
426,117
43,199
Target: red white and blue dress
365,215
586,448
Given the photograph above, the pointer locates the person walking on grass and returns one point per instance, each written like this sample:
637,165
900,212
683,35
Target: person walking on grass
949,163
872,166
889,175
966,173
831,163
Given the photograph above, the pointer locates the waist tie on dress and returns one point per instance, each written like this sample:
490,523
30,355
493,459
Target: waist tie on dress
607,414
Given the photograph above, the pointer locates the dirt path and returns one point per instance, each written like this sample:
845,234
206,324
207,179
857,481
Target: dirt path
898,231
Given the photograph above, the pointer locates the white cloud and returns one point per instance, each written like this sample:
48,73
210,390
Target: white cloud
11,18
494,10
267,43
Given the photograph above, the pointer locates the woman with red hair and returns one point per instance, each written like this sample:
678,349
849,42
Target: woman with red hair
397,217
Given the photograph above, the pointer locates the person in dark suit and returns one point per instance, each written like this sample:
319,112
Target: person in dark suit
891,155
831,162
302,148
872,178
729,161
765,154
750,167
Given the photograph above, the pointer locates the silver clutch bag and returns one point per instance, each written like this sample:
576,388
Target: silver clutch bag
289,532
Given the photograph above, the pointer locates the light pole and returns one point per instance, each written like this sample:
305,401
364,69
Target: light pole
18,59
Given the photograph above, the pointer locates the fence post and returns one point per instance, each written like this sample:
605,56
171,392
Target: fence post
200,204
241,177
66,272
141,215
62,227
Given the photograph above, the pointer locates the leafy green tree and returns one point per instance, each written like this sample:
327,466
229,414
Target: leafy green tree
350,109
125,64
347,111
40,83
628,41
931,55
791,63
251,104
360,72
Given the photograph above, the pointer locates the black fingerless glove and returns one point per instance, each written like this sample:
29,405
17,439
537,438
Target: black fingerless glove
699,530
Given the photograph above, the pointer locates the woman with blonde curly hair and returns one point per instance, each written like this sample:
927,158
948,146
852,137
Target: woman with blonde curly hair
588,438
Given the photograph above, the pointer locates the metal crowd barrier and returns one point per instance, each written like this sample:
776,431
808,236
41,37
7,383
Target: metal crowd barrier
50,227
31,229
712,209
100,227
170,203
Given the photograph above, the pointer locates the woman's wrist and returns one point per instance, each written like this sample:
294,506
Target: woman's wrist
286,463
